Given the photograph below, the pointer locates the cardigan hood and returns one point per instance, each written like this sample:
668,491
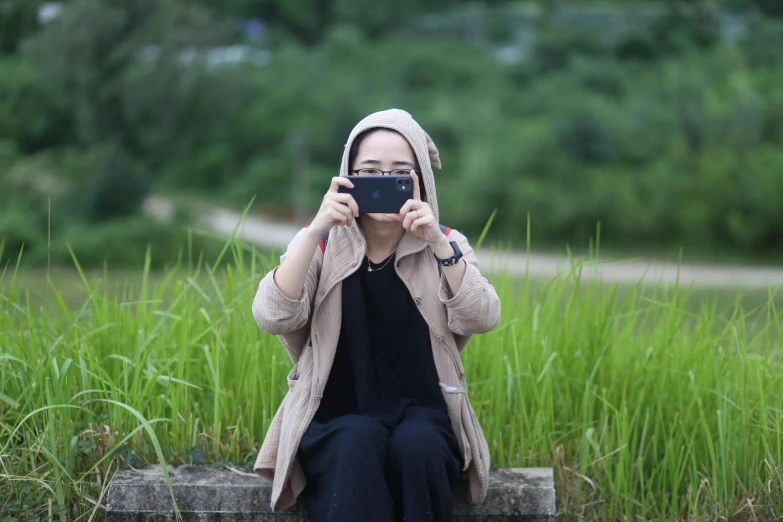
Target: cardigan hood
426,152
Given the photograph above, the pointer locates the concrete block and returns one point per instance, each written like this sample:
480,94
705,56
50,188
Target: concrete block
208,494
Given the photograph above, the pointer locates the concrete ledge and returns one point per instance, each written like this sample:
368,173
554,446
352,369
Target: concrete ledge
207,494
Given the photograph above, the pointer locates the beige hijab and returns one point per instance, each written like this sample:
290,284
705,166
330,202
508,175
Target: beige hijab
421,143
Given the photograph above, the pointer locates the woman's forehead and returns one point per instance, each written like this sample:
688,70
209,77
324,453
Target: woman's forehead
386,144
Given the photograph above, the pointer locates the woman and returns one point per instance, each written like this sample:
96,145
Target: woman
374,310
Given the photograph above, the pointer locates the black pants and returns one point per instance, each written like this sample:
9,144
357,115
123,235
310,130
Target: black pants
360,470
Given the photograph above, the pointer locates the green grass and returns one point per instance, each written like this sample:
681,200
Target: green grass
115,283
648,402
38,283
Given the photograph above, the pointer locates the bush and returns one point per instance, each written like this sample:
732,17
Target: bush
555,48
586,133
17,236
686,26
637,45
124,243
41,213
770,7
764,43
116,186
32,113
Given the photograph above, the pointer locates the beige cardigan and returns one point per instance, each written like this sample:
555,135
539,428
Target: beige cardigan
309,328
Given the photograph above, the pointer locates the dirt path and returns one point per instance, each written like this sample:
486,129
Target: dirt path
268,234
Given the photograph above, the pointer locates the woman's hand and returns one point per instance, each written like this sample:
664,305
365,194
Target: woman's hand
336,209
417,218
293,272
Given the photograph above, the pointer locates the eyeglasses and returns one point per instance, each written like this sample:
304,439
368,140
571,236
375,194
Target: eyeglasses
379,172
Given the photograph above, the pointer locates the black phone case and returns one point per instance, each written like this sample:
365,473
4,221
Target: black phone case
380,194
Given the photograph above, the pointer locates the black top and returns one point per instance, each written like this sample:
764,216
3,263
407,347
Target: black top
383,362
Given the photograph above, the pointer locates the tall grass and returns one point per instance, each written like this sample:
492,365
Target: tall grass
644,408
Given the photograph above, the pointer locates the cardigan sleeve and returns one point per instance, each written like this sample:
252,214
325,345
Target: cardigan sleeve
278,314
476,306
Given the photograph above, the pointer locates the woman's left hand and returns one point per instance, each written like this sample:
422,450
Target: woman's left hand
417,218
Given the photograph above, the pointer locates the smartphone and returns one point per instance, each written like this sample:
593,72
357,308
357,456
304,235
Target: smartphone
380,194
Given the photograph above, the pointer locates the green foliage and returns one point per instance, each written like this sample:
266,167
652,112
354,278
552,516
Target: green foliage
373,18
88,201
651,136
637,45
308,22
121,242
687,25
116,187
653,151
555,48
770,7
762,45
18,19
96,120
587,134
122,77
33,114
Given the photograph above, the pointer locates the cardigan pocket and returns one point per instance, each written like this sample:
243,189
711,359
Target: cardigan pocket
302,368
456,399
293,376
266,460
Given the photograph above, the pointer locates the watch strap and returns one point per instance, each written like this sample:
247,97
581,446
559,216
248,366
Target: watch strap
453,260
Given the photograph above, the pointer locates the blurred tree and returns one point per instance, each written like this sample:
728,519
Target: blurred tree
134,74
309,21
306,20
95,47
32,112
24,207
116,186
764,43
555,48
586,133
637,45
375,18
686,24
772,8
18,20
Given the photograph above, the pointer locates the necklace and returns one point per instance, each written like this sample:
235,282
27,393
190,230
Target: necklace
371,269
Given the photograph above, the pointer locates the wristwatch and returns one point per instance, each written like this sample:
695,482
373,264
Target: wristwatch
453,259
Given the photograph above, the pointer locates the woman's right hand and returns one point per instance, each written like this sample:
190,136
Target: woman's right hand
336,208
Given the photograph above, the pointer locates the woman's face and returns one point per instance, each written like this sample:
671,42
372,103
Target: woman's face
386,150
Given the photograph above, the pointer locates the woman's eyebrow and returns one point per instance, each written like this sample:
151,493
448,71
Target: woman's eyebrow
370,161
402,162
